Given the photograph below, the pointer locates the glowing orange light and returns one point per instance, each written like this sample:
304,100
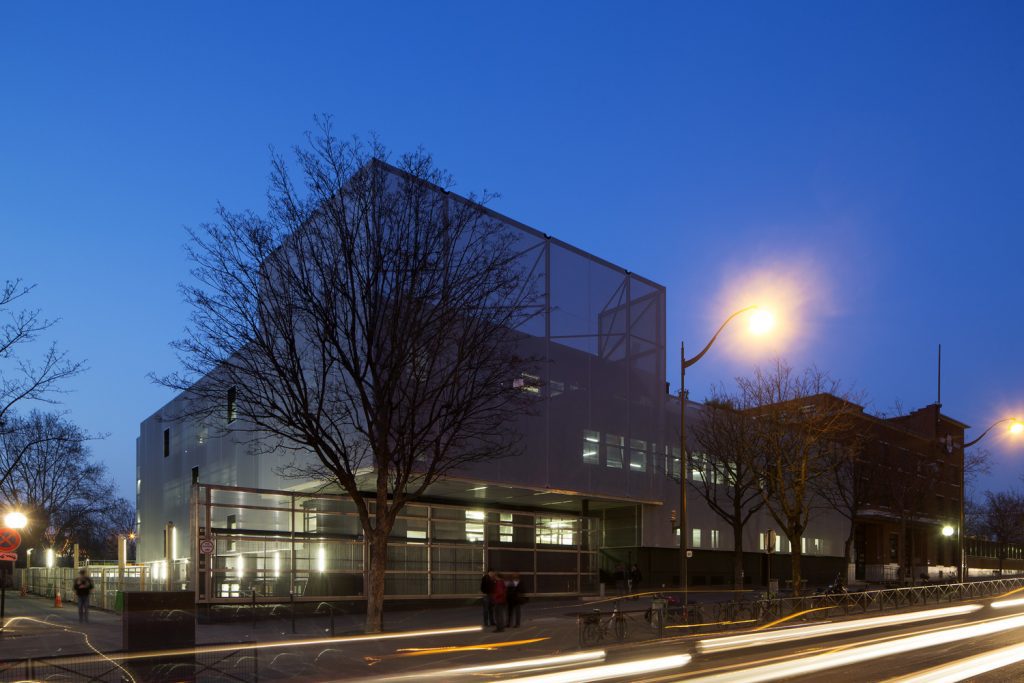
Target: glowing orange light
1016,427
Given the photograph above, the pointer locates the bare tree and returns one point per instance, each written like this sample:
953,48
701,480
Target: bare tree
727,481
850,483
370,320
1002,520
54,480
22,379
798,418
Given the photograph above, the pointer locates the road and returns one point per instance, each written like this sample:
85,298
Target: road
982,639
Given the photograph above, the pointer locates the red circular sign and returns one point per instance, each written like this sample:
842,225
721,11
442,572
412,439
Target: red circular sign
10,539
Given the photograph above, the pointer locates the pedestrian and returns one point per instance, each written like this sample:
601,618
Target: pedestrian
83,586
498,601
485,587
514,600
635,577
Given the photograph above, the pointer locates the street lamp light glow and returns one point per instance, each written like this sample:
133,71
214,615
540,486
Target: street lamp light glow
1016,427
15,520
762,321
947,531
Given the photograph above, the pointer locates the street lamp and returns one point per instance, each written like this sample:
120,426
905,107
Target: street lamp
12,520
1015,427
761,322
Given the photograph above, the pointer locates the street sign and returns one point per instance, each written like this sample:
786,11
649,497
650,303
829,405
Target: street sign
10,539
8,557
206,546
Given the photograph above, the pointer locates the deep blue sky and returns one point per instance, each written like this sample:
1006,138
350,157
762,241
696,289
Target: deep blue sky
870,151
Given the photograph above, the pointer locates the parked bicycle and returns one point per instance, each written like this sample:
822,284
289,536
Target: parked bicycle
675,611
594,628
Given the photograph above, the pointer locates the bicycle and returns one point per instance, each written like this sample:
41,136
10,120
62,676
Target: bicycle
594,629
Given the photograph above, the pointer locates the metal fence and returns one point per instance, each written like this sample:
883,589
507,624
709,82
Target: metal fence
624,620
232,665
107,580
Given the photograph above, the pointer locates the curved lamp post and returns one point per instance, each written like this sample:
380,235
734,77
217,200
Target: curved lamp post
761,322
1016,427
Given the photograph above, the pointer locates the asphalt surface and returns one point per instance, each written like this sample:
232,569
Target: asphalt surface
454,648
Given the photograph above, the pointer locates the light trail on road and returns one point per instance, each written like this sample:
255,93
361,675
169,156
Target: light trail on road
967,667
607,671
728,643
860,653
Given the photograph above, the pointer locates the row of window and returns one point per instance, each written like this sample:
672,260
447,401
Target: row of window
640,455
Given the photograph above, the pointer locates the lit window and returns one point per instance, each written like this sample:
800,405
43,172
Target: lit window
475,528
698,467
416,534
637,455
505,530
555,531
613,450
672,464
591,446
696,539
713,538
528,383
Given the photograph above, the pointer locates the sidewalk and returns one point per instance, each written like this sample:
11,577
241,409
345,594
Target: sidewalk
37,629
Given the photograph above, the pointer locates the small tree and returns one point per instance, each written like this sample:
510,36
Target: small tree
727,481
798,420
369,320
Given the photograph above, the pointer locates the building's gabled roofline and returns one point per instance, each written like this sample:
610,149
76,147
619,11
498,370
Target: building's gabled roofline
520,225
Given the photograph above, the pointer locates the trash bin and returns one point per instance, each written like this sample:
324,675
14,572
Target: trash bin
156,620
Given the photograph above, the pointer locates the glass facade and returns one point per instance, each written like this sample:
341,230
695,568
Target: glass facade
279,543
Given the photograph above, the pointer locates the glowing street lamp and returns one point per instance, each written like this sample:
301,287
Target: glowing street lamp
947,531
15,520
761,322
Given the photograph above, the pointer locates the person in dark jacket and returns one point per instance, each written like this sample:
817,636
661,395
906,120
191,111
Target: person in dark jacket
83,587
514,600
486,583
498,601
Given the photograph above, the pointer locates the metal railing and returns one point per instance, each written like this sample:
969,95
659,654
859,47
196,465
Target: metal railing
660,618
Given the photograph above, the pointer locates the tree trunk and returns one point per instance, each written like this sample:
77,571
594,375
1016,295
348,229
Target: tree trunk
737,556
375,576
794,557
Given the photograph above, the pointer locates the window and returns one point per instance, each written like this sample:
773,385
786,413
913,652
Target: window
613,450
698,467
195,476
637,455
763,541
232,523
167,443
528,383
696,539
232,405
713,539
672,461
557,387
505,530
591,446
812,546
475,528
555,531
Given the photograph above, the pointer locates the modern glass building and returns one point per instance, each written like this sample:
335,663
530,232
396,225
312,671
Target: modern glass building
592,489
